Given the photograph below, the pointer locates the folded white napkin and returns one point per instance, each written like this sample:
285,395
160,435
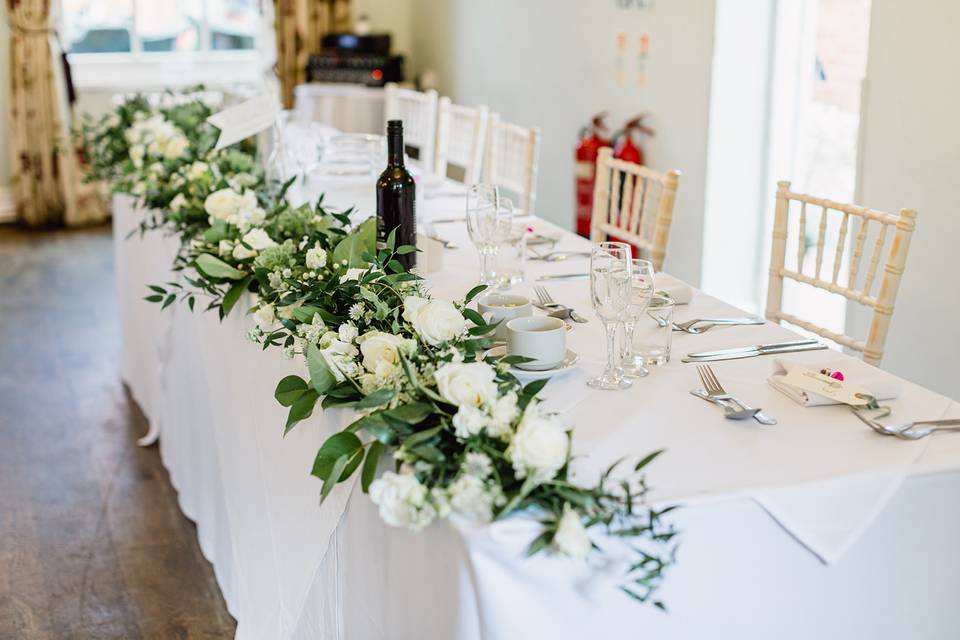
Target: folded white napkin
880,385
678,290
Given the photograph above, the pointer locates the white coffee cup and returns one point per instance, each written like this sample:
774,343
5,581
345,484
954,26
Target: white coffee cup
539,337
503,307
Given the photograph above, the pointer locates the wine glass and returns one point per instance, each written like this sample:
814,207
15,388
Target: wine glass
639,294
489,222
609,293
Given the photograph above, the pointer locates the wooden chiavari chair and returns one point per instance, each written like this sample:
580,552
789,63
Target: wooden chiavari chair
461,139
854,219
513,153
634,204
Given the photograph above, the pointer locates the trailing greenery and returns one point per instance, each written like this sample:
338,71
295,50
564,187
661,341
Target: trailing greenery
464,435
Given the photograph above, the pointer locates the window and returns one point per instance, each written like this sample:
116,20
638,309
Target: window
151,26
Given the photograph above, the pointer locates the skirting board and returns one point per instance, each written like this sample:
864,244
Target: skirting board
8,212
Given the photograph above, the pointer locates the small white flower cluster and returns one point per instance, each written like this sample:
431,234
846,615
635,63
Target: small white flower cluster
156,137
239,209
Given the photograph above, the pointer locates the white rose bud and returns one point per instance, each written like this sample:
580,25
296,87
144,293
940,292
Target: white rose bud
437,321
222,204
466,383
571,538
540,446
381,352
258,239
265,317
240,252
347,332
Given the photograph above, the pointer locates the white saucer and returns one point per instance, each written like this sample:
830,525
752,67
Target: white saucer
569,363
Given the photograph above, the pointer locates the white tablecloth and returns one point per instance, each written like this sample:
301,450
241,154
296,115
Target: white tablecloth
291,569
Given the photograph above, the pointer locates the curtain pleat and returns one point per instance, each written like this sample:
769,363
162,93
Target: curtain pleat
299,26
45,174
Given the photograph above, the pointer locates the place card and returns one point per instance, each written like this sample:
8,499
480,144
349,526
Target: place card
837,390
245,119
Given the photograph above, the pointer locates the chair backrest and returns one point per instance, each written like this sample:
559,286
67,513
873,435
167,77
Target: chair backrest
633,203
418,110
853,219
461,139
513,153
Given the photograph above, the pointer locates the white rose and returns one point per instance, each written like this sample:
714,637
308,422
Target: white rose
539,448
353,273
381,352
571,538
178,202
240,252
402,501
256,215
347,332
469,421
258,239
339,356
265,317
176,147
470,498
198,170
225,248
316,258
503,411
222,204
437,321
137,152
466,383
412,306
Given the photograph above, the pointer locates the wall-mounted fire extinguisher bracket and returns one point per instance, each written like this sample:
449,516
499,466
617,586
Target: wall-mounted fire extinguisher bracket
591,139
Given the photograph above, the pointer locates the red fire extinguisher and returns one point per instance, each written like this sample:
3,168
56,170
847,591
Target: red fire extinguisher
624,148
592,139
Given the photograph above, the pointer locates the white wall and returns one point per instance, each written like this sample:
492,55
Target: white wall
910,157
552,64
393,16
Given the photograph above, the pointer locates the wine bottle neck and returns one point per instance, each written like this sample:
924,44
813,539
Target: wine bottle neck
395,149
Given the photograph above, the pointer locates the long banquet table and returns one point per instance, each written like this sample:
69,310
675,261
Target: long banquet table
816,527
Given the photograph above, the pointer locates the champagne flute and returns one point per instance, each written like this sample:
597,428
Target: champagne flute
639,294
609,293
489,221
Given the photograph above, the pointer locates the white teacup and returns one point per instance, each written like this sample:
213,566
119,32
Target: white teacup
541,337
503,307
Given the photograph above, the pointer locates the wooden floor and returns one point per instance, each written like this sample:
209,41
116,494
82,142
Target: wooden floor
92,542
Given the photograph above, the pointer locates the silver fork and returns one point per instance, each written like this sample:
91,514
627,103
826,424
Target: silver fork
713,387
547,302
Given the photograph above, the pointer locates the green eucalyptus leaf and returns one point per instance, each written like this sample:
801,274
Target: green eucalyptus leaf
378,398
214,267
361,240
336,472
337,446
473,293
301,409
411,413
369,471
321,377
289,389
233,295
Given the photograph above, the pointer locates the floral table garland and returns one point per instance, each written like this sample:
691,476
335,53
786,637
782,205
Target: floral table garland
466,436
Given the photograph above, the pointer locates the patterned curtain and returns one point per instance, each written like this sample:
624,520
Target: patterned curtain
44,170
299,26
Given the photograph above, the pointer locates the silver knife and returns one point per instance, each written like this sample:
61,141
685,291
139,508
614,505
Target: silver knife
751,353
563,276
756,347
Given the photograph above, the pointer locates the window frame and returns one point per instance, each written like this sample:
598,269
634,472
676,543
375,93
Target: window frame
121,70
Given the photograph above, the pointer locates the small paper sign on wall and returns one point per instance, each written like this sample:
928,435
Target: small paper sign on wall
245,119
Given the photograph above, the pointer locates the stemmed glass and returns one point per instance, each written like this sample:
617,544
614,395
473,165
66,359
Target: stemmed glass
640,292
489,222
609,293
